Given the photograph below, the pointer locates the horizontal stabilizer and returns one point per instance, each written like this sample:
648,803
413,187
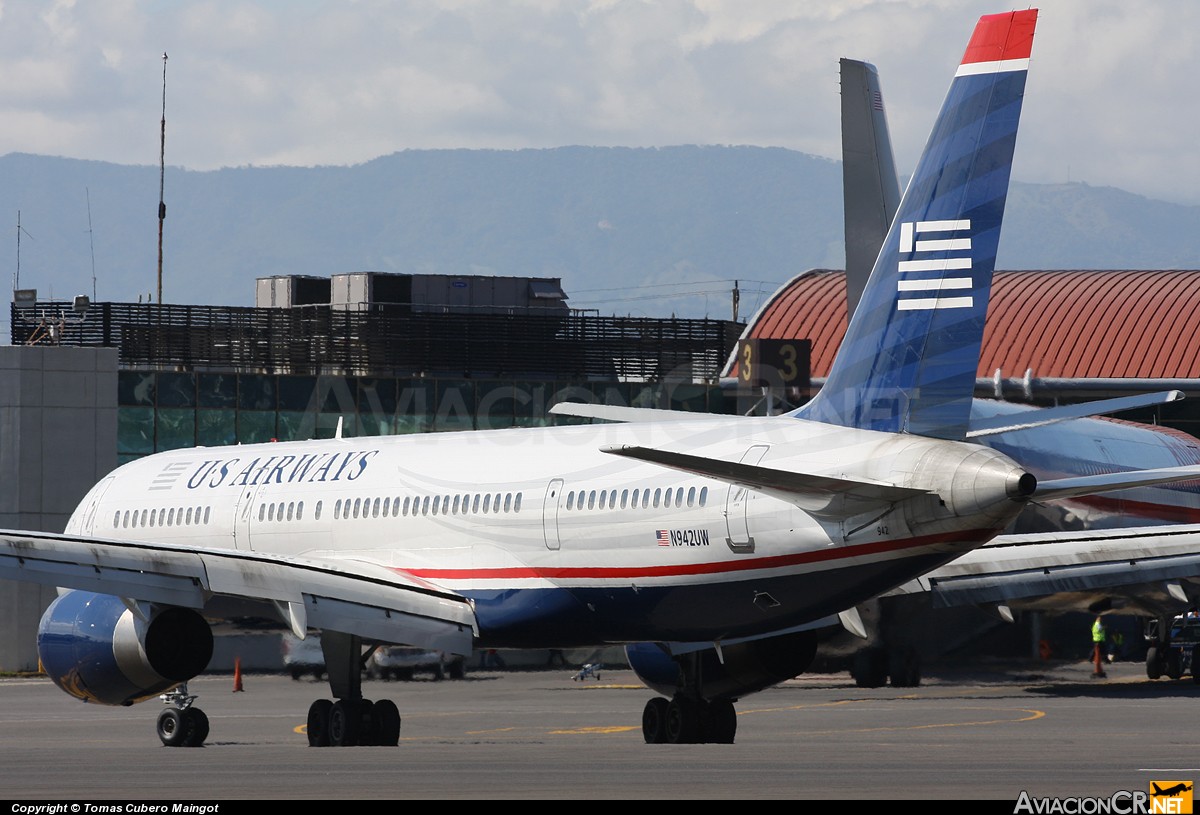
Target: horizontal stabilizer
1110,482
618,413
812,492
1036,418
1015,567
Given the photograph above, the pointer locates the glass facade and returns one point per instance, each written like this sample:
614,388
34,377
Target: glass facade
166,410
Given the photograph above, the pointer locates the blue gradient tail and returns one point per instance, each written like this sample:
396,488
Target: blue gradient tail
910,356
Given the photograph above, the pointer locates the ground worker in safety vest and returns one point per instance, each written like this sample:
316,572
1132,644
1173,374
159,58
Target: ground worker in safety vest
1099,634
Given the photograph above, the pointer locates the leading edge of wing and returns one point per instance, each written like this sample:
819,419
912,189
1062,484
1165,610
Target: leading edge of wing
807,490
1078,486
351,596
1012,567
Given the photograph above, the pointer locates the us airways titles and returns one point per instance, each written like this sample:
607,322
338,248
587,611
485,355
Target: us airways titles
309,468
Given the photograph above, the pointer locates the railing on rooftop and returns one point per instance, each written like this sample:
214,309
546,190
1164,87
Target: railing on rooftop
384,340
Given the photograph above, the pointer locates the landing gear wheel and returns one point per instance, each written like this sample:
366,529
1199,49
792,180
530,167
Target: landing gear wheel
385,722
870,668
345,723
1173,669
721,724
195,722
172,730
683,721
1154,666
654,721
905,668
318,723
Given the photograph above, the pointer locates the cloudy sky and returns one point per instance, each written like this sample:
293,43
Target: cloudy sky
1112,91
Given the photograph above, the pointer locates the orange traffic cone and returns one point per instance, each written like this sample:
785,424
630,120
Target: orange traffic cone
237,675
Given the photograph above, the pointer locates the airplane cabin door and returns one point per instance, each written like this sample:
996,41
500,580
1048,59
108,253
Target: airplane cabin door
88,521
737,501
243,517
550,513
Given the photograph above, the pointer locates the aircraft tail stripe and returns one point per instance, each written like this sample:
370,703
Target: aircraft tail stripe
998,37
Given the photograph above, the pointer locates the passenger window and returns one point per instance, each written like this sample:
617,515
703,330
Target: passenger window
487,502
126,520
624,498
291,510
571,500
207,512
387,506
375,508
657,496
317,511
144,514
171,516
117,519
508,502
425,506
517,503
475,504
299,510
270,512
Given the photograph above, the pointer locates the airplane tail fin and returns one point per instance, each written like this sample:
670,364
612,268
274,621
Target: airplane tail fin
910,355
870,189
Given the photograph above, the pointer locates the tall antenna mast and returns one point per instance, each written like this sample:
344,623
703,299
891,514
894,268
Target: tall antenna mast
91,240
17,275
162,171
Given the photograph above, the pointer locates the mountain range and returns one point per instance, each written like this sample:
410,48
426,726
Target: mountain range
642,231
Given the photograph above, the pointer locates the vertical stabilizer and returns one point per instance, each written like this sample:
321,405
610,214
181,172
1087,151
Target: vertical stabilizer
910,356
870,190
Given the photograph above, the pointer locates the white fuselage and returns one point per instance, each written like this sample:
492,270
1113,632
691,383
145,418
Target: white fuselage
511,515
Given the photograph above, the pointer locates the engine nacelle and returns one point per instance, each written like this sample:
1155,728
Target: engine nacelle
97,650
748,667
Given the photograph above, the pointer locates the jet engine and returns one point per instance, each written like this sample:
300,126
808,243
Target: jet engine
96,649
744,668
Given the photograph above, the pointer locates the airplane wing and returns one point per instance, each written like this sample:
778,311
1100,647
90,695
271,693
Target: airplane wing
1016,567
345,595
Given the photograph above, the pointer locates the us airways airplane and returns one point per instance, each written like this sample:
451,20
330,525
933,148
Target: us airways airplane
724,540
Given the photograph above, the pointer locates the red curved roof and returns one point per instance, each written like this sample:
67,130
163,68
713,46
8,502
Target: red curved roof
1068,324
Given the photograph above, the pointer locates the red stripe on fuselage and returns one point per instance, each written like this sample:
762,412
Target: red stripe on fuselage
999,37
719,567
1158,513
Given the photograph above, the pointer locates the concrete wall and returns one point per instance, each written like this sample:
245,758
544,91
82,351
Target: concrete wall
58,437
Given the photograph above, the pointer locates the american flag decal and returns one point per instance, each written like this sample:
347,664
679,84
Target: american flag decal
664,537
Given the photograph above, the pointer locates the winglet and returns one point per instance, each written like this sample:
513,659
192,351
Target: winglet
910,355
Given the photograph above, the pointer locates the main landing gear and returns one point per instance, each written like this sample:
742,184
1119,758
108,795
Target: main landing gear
351,720
689,718
181,725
